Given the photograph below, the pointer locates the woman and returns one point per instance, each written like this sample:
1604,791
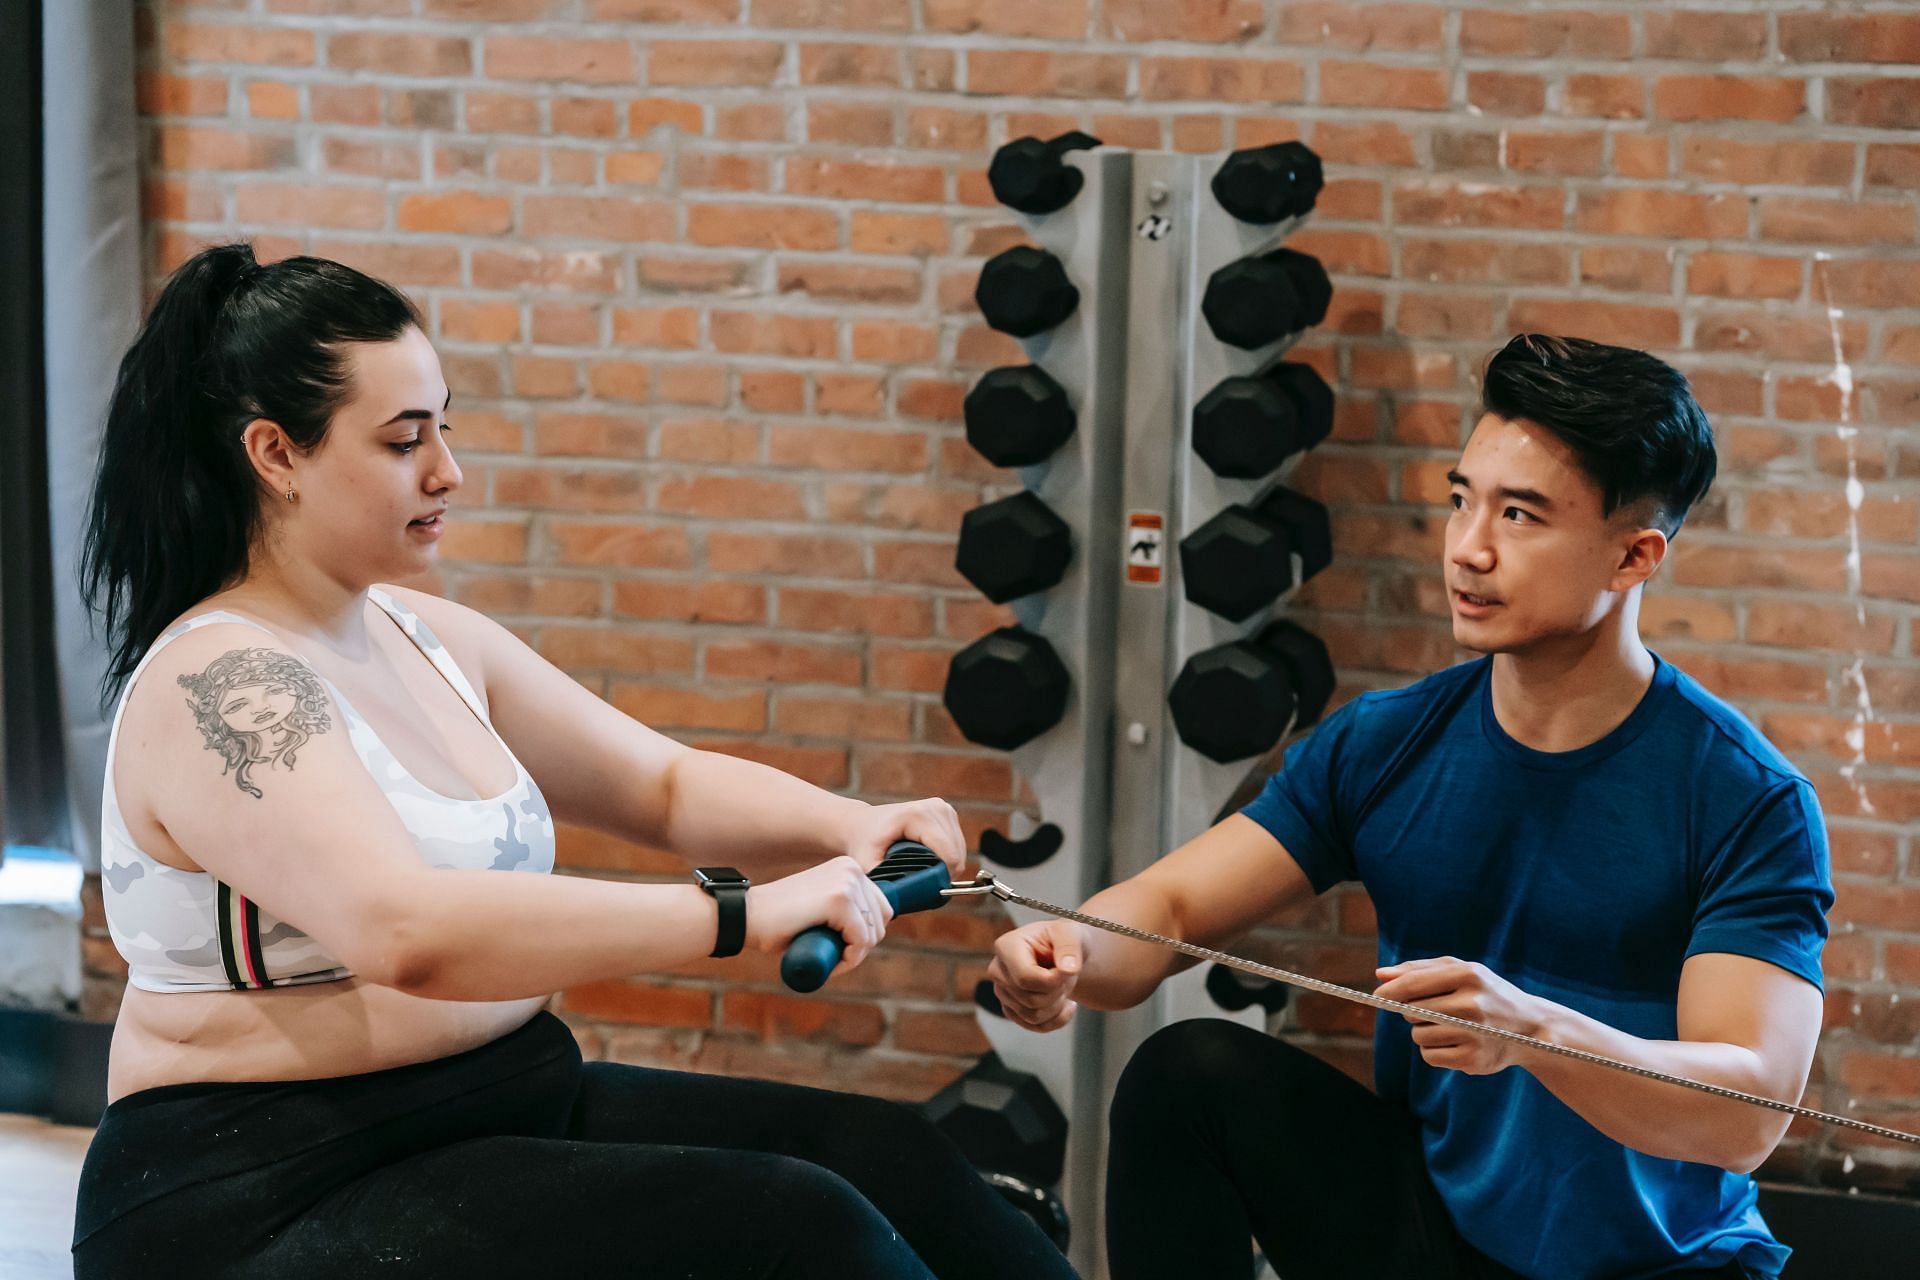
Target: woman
332,1056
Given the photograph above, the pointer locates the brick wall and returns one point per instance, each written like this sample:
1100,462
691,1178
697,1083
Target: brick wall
700,272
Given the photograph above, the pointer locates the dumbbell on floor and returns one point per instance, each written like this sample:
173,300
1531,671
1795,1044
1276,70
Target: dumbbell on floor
1011,1130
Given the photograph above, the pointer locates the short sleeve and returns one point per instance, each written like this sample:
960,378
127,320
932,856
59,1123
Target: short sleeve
1768,889
1299,805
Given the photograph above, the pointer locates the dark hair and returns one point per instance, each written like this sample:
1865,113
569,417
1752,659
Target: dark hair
1629,418
176,504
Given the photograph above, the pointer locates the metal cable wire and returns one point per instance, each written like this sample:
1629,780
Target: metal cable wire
1001,890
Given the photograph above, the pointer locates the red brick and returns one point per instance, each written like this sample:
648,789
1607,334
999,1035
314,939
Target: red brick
1327,24
240,42
704,600
597,218
1795,162
1640,155
794,555
763,226
713,62
585,647
1877,102
1199,21
182,146
1811,221
660,327
489,541
878,613
1618,323
1850,37
1805,626
647,1003
786,663
1642,211
1505,93
949,1031
644,114
1444,204
1566,33
401,54
849,15
923,773
1867,282
1698,35
672,708
618,542
160,93
781,335
272,100
1610,97
854,124
1627,267
1055,20
1728,97
599,435
1743,275
783,1017
917,234
458,212
1363,143
1780,335
1372,84
851,179
1564,154
1028,73
1893,165
1469,261
302,205
852,65
357,104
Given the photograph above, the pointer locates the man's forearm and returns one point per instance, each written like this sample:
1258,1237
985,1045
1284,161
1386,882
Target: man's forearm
1660,1119
724,810
1117,972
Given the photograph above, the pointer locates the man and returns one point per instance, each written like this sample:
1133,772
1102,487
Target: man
1568,838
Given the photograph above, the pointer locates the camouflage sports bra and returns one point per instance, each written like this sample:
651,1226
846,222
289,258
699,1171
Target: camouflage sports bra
186,931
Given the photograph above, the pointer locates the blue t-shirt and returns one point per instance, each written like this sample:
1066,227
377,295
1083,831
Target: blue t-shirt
1586,877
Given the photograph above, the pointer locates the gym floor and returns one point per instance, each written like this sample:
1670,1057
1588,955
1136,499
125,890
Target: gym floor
39,1167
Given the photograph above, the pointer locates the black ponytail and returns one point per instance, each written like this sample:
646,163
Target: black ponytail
176,503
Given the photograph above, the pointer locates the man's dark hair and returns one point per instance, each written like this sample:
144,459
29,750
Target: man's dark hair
1629,418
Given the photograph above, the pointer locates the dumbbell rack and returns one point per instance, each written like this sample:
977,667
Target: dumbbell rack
1140,241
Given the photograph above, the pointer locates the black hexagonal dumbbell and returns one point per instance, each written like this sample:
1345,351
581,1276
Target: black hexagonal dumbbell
1018,415
1258,300
1013,547
1246,426
1010,1129
1006,688
1033,177
1024,291
1234,990
1267,184
1235,700
1241,560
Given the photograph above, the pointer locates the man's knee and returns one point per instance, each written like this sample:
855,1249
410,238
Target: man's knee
1197,1064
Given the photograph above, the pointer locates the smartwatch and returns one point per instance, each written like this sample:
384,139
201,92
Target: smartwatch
728,888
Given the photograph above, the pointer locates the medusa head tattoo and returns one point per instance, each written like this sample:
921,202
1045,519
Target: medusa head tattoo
256,706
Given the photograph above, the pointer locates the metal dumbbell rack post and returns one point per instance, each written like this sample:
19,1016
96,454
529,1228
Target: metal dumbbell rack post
1079,483
1140,241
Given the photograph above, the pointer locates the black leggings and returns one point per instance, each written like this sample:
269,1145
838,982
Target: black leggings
514,1159
1236,1136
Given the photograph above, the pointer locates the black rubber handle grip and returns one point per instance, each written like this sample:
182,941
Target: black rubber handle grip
910,877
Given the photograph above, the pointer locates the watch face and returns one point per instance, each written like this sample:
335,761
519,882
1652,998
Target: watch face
719,876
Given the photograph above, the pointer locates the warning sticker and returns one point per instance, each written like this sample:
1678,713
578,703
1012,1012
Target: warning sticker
1145,532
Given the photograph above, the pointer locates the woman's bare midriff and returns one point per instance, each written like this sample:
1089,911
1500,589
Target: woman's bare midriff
307,1032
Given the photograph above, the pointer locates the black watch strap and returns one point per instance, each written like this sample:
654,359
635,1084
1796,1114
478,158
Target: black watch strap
728,888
